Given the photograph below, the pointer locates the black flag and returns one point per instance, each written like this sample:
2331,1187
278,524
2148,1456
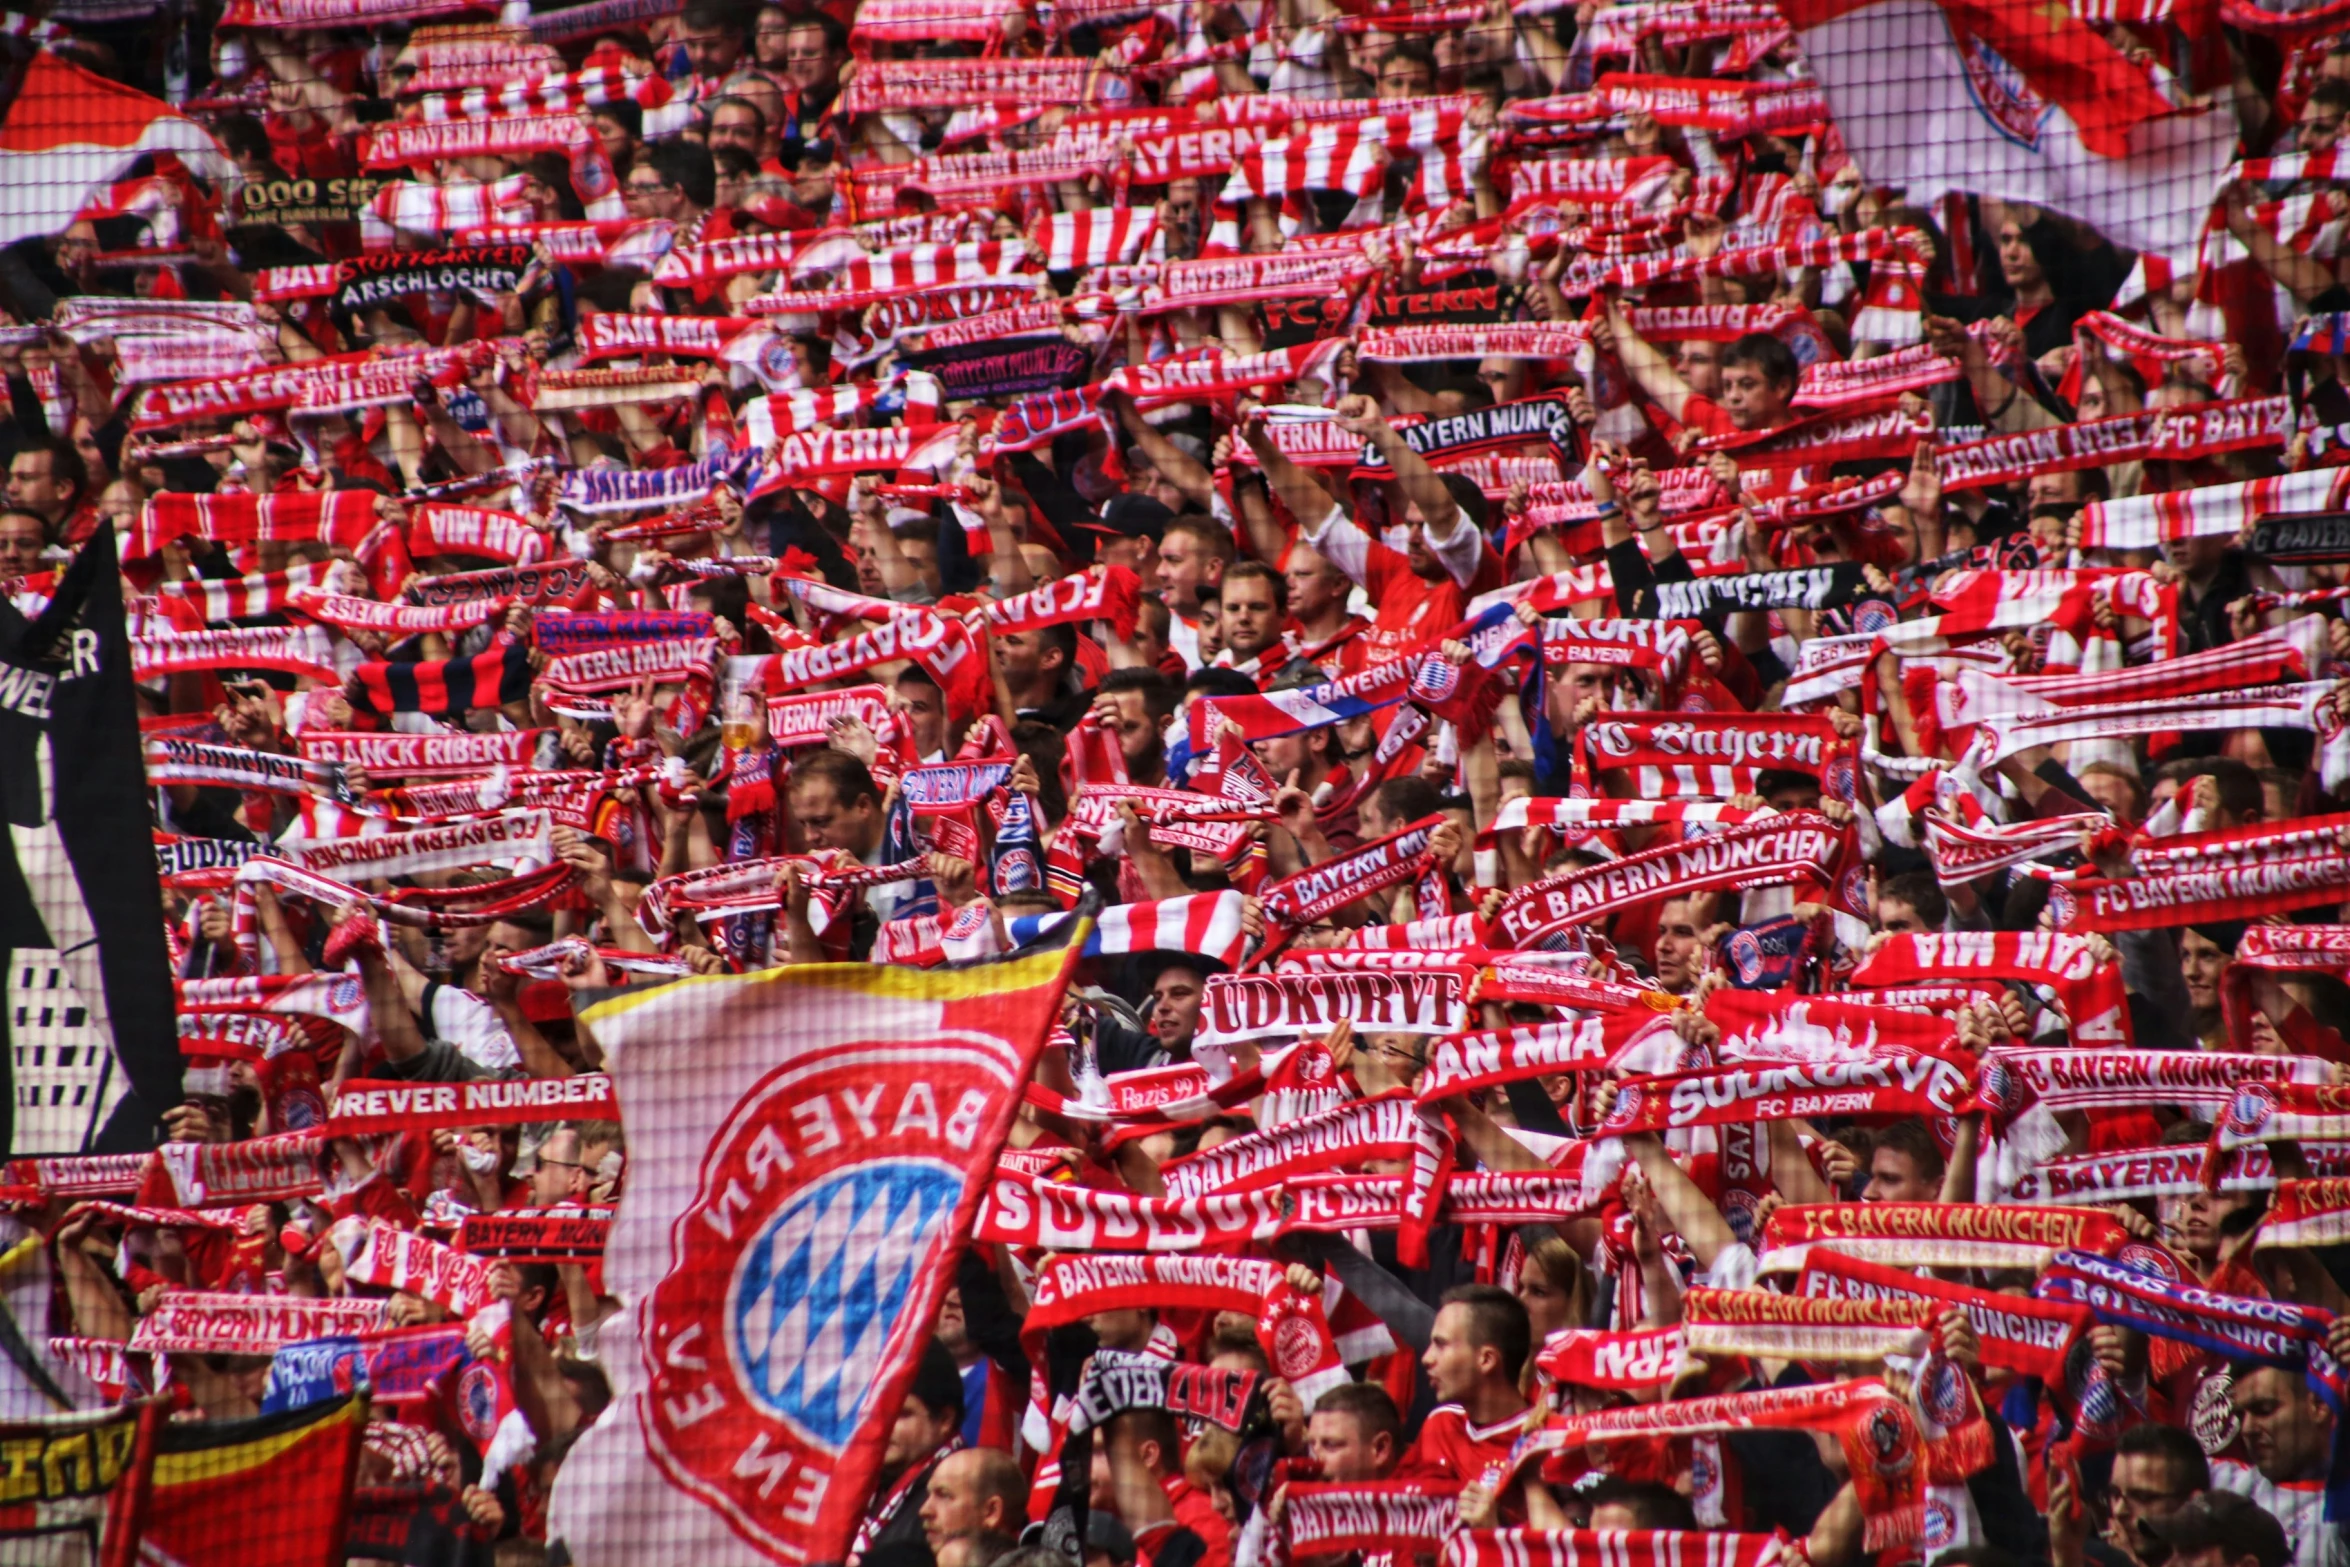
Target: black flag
77,873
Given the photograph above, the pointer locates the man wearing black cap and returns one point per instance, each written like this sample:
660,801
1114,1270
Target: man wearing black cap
2218,1529
1130,529
928,1428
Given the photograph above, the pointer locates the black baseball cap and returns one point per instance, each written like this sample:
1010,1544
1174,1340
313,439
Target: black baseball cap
1133,516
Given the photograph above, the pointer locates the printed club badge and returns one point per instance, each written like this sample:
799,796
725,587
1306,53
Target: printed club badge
800,1265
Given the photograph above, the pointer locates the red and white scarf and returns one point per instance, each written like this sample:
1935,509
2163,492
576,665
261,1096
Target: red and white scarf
1790,846
1934,1234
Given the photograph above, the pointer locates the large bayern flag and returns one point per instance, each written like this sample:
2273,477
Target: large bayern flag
808,1148
71,132
2016,100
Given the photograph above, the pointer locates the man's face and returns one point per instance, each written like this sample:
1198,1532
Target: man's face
1402,78
2318,128
2201,962
737,125
914,1435
1700,365
1899,918
811,183
1018,654
2287,1430
1315,586
953,1506
1174,1011
1251,619
2147,1489
647,194
34,485
2053,489
2195,1219
1140,740
1895,1177
828,823
1184,569
808,59
922,555
712,51
1451,1360
1679,945
562,1175
1752,399
21,541
925,711
1336,1440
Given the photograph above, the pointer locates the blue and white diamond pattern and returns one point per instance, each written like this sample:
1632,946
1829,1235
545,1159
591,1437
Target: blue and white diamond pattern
817,1291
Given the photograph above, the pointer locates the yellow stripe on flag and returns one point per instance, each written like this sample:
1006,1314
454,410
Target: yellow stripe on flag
222,1463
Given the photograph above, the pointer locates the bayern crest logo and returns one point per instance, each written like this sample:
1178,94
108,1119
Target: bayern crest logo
1436,680
2000,93
815,1291
1746,956
477,1401
346,994
1941,1526
2253,1105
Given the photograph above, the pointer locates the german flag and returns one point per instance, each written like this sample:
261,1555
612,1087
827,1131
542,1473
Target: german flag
275,1489
449,686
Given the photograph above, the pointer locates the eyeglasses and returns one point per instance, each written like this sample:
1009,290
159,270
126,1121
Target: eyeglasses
641,188
819,53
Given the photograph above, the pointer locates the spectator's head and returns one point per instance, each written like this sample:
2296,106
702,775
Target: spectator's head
1354,1433
619,126
1911,903
1398,803
1699,362
1759,377
46,478
922,706
1618,1503
1316,587
1680,941
1478,1344
977,1491
1255,604
562,1175
1142,704
931,1414
2157,1469
1193,552
710,33
2288,1430
2114,787
835,803
768,30
813,51
2205,951
737,122
2222,1529
1409,71
1175,997
23,535
2320,125
1035,663
1468,500
1905,1165
1552,1285
2024,257
675,179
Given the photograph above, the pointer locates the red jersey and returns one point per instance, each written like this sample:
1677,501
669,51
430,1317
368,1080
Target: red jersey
1450,1448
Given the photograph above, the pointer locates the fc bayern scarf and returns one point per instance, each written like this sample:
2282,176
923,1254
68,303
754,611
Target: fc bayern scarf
1791,846
2030,1337
1935,1235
